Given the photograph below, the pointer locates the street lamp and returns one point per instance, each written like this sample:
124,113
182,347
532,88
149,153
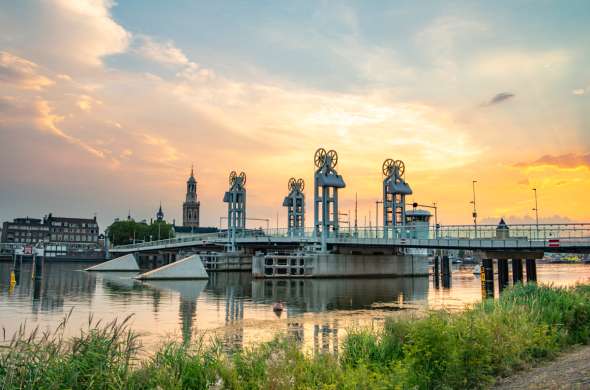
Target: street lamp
435,219
377,202
474,209
536,210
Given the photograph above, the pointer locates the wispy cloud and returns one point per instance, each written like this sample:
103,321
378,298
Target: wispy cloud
21,72
162,52
499,98
567,161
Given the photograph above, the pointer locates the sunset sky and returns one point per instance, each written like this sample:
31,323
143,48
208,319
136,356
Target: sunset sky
104,106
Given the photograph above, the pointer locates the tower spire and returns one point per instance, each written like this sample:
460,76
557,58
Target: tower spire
192,170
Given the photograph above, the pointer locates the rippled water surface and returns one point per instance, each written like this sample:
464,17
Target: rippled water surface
233,306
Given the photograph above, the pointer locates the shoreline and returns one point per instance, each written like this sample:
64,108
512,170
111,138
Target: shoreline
570,369
525,327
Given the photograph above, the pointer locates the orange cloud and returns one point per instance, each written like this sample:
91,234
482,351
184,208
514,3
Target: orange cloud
21,72
565,161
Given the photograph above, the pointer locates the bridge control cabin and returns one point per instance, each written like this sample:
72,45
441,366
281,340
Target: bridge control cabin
418,223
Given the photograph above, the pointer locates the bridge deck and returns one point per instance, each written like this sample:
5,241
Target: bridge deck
547,238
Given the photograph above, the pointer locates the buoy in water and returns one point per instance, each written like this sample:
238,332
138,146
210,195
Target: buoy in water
278,307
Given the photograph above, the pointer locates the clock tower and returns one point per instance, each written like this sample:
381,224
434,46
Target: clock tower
191,206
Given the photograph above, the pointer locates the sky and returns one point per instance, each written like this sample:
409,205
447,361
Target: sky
104,106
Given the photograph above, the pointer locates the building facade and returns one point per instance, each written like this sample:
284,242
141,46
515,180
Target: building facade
74,233
191,206
25,230
78,233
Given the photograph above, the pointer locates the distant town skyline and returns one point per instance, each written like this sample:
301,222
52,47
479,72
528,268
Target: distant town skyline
105,106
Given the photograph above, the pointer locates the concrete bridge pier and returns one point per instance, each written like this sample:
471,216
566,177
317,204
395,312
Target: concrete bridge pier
436,273
487,278
531,270
503,274
446,272
517,274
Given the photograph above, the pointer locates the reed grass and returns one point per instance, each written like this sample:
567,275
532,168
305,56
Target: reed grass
442,350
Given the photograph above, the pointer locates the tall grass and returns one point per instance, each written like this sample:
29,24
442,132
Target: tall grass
442,350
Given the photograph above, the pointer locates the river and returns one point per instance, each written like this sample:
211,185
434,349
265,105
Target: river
233,307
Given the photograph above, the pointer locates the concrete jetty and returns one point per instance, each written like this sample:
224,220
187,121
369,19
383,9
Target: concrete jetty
123,263
188,268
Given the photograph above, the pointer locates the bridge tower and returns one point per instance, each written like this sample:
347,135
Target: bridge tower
295,204
325,196
235,198
395,190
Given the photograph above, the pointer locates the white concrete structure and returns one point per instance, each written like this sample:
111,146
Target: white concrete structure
327,265
123,263
188,268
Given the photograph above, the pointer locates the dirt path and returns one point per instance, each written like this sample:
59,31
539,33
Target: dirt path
569,371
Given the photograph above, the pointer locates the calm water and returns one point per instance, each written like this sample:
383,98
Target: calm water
233,306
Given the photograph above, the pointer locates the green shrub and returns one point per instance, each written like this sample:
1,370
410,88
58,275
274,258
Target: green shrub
442,350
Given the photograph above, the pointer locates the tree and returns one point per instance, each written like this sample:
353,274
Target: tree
125,232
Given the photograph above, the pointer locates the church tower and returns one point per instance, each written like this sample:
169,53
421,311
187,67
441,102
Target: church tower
191,206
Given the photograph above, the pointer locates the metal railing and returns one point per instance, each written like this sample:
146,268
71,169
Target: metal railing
529,232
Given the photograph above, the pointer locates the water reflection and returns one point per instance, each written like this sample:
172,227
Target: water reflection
188,291
324,336
232,306
320,295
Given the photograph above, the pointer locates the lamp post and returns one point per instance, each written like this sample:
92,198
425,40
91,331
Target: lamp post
435,219
536,209
377,202
474,214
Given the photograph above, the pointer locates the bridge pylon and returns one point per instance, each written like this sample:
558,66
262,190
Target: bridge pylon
235,198
325,195
295,204
395,190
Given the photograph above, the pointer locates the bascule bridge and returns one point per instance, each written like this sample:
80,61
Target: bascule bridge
328,251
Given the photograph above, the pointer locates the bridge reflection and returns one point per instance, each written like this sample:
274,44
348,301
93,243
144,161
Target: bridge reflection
234,306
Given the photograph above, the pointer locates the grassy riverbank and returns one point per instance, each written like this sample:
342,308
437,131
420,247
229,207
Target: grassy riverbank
442,350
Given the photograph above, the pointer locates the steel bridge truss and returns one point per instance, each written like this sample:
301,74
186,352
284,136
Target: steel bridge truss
325,195
295,204
395,190
235,198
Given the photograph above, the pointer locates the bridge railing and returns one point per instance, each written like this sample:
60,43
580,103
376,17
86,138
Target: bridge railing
541,232
171,241
531,232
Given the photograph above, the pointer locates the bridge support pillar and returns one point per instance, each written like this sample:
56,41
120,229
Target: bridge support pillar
487,278
446,272
531,270
502,274
517,271
436,271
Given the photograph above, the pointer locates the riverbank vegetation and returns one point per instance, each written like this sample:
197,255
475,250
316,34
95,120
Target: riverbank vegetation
129,232
465,350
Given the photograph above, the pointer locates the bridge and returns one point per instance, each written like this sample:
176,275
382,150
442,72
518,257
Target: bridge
560,238
399,247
